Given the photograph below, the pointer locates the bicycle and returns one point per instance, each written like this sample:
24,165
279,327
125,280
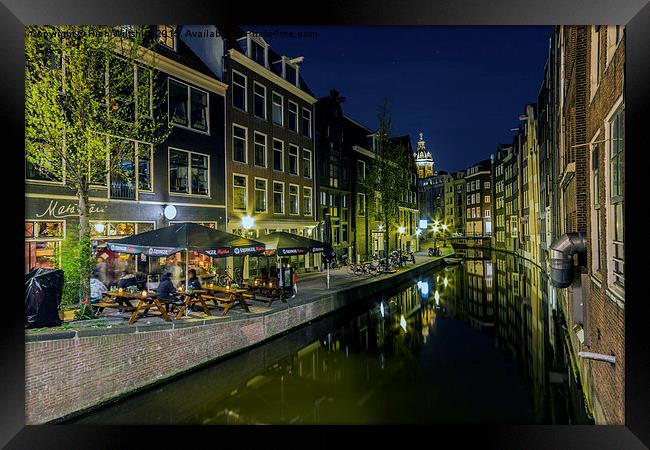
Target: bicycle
226,279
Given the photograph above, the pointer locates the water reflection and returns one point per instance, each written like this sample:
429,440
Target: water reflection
483,348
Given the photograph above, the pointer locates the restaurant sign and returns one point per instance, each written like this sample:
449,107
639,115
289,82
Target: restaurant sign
58,210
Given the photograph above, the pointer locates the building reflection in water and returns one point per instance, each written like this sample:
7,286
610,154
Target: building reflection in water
472,343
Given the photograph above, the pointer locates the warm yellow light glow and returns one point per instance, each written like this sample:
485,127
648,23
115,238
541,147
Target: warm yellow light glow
247,222
435,228
444,226
144,293
446,282
401,230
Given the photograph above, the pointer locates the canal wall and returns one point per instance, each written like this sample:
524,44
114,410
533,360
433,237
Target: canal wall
70,371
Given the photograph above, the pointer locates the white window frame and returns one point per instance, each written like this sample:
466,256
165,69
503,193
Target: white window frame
297,121
361,213
189,174
245,91
306,189
266,195
160,37
281,124
595,230
311,162
297,155
245,177
188,107
297,198
306,110
612,44
282,159
256,84
266,149
273,196
594,58
232,143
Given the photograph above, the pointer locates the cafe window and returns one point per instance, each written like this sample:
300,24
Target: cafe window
188,106
239,143
293,159
277,111
44,230
278,197
294,203
42,254
259,104
260,149
307,200
188,172
239,90
306,122
278,155
239,192
260,195
306,163
293,116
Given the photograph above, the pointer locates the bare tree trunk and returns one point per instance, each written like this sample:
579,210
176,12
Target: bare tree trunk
85,249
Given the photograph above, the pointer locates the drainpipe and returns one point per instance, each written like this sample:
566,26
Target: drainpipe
561,257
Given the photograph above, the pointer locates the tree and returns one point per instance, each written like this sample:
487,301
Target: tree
90,93
389,176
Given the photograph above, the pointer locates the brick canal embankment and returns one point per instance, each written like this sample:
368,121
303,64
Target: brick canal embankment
75,369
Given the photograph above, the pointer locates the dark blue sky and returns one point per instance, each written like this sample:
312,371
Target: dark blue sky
463,87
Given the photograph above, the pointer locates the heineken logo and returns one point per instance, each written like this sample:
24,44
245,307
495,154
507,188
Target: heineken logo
157,251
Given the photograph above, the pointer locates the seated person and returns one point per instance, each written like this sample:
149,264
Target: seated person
166,291
193,282
96,288
264,275
127,280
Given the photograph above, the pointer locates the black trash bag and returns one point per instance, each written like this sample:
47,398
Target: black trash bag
43,291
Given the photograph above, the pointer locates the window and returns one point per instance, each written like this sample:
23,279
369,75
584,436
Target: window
486,185
361,170
293,116
306,200
260,149
188,175
469,198
277,111
306,122
260,195
239,140
487,213
196,115
145,153
259,104
167,36
595,211
616,191
290,74
294,204
361,204
239,90
41,172
293,159
239,197
144,98
487,199
306,163
258,53
278,155
595,59
278,197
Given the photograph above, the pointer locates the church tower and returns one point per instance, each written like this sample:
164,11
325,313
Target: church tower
424,160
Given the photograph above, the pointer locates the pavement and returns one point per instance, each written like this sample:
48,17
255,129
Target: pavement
311,285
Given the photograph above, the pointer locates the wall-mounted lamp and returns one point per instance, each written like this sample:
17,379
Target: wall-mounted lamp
170,212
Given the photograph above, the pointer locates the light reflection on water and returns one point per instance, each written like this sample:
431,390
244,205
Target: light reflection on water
484,348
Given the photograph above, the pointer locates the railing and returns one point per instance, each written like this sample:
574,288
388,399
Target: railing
121,190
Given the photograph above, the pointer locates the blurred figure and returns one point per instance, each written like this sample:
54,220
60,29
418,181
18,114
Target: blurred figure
97,288
101,270
193,282
127,280
176,271
166,290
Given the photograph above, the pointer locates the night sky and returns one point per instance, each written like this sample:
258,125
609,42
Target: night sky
463,87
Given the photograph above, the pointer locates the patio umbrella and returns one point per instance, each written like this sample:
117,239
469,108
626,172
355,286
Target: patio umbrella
187,237
282,243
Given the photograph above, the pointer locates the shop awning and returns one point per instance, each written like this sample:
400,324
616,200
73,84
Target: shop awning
187,236
287,244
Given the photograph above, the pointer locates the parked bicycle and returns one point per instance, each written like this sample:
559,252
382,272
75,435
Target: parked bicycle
226,279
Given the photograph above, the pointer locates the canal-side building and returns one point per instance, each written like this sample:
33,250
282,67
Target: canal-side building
531,185
186,171
459,203
499,194
409,214
478,199
270,163
604,214
511,198
449,213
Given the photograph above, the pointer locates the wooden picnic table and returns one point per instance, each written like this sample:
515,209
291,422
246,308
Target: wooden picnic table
191,298
233,295
268,290
122,300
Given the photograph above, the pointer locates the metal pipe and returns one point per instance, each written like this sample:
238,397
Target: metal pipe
598,357
561,257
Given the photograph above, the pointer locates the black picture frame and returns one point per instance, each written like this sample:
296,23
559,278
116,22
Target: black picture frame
635,14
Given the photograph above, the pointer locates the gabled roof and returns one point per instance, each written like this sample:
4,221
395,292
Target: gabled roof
186,56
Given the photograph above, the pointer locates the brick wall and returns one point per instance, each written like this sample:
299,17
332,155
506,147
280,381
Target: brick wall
70,371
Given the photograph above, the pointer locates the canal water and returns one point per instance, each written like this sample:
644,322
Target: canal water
477,343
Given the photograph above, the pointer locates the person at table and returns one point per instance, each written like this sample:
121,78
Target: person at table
166,290
127,280
193,282
97,288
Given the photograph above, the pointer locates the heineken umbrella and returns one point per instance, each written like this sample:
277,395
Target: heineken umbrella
187,237
281,243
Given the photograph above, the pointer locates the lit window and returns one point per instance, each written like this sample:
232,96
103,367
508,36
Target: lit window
239,192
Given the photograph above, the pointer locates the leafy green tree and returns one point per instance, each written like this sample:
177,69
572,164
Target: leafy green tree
90,92
389,177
